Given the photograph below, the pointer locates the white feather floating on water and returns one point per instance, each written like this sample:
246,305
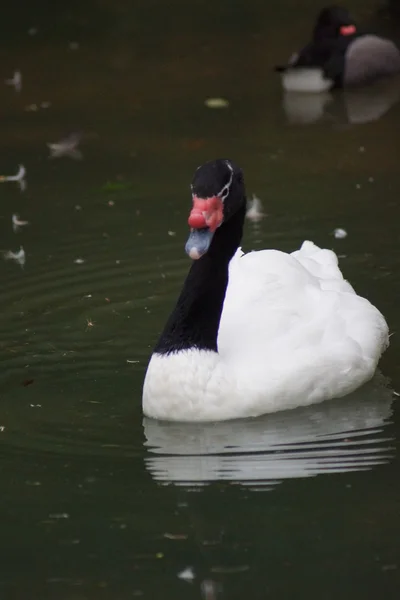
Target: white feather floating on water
254,212
18,257
187,574
340,233
17,223
66,147
19,177
15,81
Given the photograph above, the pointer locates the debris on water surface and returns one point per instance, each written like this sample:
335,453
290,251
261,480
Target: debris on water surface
73,45
170,536
79,261
66,147
216,103
171,233
35,107
19,177
19,256
27,382
15,81
17,223
2,428
340,233
89,323
134,362
254,213
59,516
187,574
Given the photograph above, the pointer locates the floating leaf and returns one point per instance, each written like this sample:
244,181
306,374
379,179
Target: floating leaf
216,103
116,186
27,382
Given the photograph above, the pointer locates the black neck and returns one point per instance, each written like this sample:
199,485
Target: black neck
194,322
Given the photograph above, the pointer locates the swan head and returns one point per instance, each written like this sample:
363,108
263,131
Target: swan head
217,193
332,22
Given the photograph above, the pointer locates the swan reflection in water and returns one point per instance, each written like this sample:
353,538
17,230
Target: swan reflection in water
336,436
354,106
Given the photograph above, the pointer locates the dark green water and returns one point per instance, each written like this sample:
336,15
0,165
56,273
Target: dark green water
97,503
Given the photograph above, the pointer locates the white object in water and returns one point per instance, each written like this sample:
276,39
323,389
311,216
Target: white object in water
340,233
19,256
300,79
254,213
17,223
15,81
66,147
187,574
19,177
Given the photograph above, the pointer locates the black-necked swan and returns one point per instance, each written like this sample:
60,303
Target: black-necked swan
259,332
338,55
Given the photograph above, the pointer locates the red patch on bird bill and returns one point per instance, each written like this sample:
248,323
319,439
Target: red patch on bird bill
347,30
206,212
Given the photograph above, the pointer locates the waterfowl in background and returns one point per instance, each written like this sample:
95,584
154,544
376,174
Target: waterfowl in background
258,332
339,55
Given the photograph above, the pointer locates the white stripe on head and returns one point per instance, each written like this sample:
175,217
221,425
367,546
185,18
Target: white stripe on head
224,193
